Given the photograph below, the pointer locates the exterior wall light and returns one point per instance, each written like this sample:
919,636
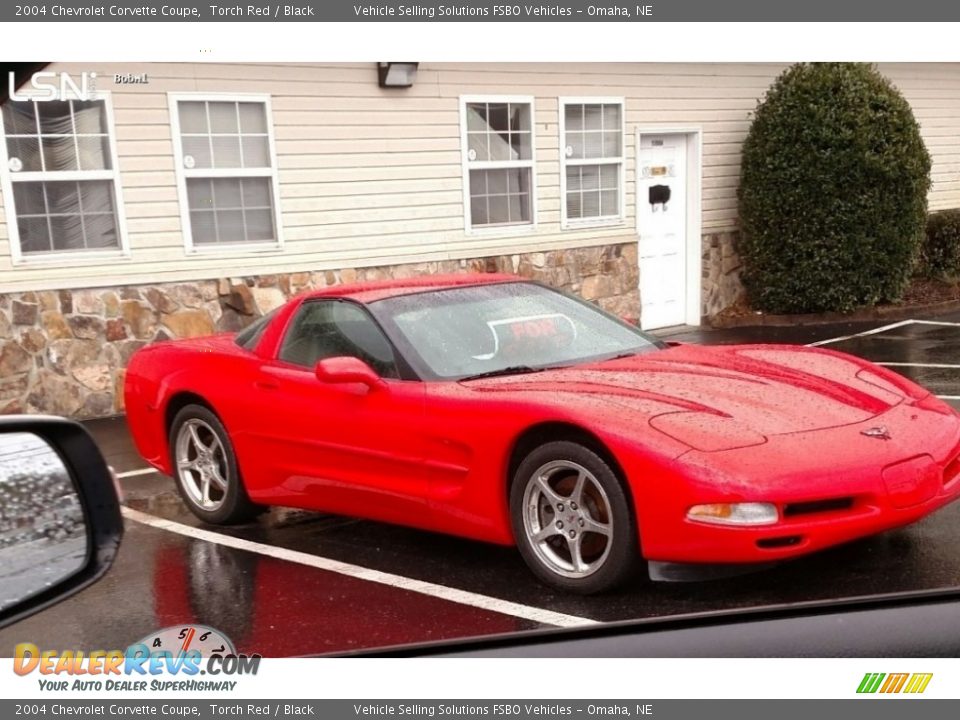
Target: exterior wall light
396,74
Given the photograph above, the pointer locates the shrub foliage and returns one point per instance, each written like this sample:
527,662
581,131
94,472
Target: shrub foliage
833,191
940,256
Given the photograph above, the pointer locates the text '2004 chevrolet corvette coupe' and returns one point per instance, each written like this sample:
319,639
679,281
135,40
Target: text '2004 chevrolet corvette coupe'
501,410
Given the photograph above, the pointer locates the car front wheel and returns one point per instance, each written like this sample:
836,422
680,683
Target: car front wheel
572,519
205,468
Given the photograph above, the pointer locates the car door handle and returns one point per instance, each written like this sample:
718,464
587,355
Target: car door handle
266,384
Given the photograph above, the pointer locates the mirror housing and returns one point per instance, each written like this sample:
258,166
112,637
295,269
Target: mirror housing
346,369
97,495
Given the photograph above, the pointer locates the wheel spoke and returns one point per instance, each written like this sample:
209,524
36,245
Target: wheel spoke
206,489
577,494
549,492
576,556
546,532
591,525
195,439
218,479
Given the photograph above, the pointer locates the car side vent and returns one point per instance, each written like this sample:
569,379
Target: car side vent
817,506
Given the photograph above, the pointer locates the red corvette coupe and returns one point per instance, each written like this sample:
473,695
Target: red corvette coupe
502,410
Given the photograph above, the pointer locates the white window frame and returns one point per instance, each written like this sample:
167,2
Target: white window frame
466,165
182,173
606,220
65,257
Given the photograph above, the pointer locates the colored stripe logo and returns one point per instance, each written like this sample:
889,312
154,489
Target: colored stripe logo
913,683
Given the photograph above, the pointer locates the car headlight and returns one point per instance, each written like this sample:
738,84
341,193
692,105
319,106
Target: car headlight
751,513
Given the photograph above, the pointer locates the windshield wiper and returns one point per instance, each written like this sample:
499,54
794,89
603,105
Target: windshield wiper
510,370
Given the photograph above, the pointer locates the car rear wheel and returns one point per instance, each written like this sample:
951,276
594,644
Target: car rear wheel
572,519
205,468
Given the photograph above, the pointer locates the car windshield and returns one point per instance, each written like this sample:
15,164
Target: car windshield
502,328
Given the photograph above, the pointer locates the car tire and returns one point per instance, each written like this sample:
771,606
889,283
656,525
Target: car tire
572,519
205,468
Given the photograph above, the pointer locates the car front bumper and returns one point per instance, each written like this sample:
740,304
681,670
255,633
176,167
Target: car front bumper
830,486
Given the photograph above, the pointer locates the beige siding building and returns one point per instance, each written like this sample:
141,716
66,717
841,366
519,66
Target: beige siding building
196,196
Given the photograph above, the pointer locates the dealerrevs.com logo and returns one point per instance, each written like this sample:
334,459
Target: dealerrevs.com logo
183,651
913,683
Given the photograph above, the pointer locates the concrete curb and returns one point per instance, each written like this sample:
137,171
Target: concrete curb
882,312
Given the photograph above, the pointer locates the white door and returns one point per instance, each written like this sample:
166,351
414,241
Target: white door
662,226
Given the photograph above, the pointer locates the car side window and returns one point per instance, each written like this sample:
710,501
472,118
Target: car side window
334,328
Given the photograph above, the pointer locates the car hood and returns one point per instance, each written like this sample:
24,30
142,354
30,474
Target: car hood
720,396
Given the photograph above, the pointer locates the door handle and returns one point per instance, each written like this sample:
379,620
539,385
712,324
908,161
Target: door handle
266,384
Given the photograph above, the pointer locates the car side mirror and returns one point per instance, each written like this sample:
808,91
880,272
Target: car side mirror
60,522
348,370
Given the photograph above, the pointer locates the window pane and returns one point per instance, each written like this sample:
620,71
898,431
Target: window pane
256,152
62,198
591,204
59,154
609,202
256,193
94,152
478,211
66,232
573,179
223,117
199,193
497,182
590,177
574,145
500,147
27,151
521,145
55,118
497,117
592,144
611,144
226,193
101,230
478,182
230,226
226,151
477,142
259,225
202,227
19,118
520,117
499,209
477,117
197,148
34,234
573,205
90,117
96,196
193,117
28,198
592,117
611,117
573,117
253,117
609,176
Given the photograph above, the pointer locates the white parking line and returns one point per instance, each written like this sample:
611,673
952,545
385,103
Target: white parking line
936,322
134,473
862,334
463,597
919,365
949,397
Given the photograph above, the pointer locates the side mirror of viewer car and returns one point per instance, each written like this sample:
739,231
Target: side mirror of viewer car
348,370
60,522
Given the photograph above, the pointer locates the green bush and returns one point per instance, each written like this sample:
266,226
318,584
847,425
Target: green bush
940,256
833,191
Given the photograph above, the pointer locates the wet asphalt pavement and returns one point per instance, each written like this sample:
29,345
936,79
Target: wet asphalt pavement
272,602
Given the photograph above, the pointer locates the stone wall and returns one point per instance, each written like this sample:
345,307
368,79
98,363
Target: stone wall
721,286
64,352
